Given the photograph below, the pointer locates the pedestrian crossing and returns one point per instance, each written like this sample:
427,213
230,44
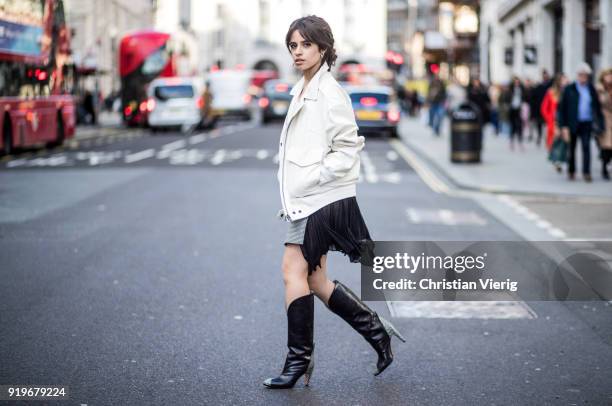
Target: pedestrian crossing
180,154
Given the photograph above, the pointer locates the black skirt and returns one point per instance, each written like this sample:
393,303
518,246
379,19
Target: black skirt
339,226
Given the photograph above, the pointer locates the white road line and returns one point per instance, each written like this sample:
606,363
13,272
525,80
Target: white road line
262,154
533,217
413,215
139,156
368,168
392,177
218,158
174,145
392,155
196,139
428,177
15,163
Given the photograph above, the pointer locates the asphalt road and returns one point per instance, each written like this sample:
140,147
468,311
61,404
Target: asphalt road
145,270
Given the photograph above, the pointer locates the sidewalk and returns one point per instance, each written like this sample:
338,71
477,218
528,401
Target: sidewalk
109,123
502,170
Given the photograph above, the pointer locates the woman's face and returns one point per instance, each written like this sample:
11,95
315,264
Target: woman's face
305,54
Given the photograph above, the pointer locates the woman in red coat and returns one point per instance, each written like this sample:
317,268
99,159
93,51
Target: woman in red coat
549,108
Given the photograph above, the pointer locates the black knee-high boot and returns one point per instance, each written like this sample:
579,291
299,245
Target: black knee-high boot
376,330
300,360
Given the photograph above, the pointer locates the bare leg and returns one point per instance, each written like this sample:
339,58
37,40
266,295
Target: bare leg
319,283
295,272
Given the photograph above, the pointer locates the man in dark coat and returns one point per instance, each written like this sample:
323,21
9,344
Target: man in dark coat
579,115
537,96
477,94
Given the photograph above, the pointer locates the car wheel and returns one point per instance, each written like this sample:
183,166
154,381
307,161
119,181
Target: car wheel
393,133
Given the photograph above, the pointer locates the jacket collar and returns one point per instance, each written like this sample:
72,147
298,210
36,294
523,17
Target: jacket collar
312,89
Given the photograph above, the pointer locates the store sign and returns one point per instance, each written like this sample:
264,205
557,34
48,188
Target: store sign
19,38
530,55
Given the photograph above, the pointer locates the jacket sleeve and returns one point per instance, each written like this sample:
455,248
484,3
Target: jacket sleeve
341,130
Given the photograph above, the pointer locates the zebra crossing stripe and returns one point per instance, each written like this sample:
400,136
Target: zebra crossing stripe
139,156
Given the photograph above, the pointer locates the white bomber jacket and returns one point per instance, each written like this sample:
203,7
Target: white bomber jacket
319,148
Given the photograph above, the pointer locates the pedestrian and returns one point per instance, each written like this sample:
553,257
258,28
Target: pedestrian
555,144
477,94
517,97
605,140
548,108
579,115
436,97
537,97
505,98
319,167
494,95
526,108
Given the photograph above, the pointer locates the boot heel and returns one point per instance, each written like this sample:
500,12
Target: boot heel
391,330
308,372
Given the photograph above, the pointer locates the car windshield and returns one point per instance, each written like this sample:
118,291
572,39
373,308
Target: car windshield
174,92
369,98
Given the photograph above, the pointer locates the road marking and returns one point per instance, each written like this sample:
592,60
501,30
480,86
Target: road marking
15,163
533,217
168,148
392,155
392,177
444,216
262,154
187,157
510,309
218,157
196,139
368,168
139,156
420,168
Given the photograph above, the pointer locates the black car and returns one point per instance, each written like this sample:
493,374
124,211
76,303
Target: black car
375,108
275,100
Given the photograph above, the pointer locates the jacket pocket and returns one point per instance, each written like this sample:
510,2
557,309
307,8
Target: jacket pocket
303,171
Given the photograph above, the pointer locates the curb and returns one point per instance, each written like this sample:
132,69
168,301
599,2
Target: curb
501,191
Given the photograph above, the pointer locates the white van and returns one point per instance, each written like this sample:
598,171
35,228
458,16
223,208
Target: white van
229,90
175,102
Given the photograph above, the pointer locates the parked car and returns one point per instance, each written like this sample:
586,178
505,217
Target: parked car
275,100
376,108
174,102
229,93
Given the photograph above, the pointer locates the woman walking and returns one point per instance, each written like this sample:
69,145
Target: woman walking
517,98
318,170
556,145
605,139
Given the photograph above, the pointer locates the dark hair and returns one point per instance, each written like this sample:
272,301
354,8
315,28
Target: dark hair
315,29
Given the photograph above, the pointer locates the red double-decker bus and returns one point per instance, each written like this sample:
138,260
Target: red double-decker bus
143,56
35,102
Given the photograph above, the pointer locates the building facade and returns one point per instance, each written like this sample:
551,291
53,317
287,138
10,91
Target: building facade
251,33
522,37
97,27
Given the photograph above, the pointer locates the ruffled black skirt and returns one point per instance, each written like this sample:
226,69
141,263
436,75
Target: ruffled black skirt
339,226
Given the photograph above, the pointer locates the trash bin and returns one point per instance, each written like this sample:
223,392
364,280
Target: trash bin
466,133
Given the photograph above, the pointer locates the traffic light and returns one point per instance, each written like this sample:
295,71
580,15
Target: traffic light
394,60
